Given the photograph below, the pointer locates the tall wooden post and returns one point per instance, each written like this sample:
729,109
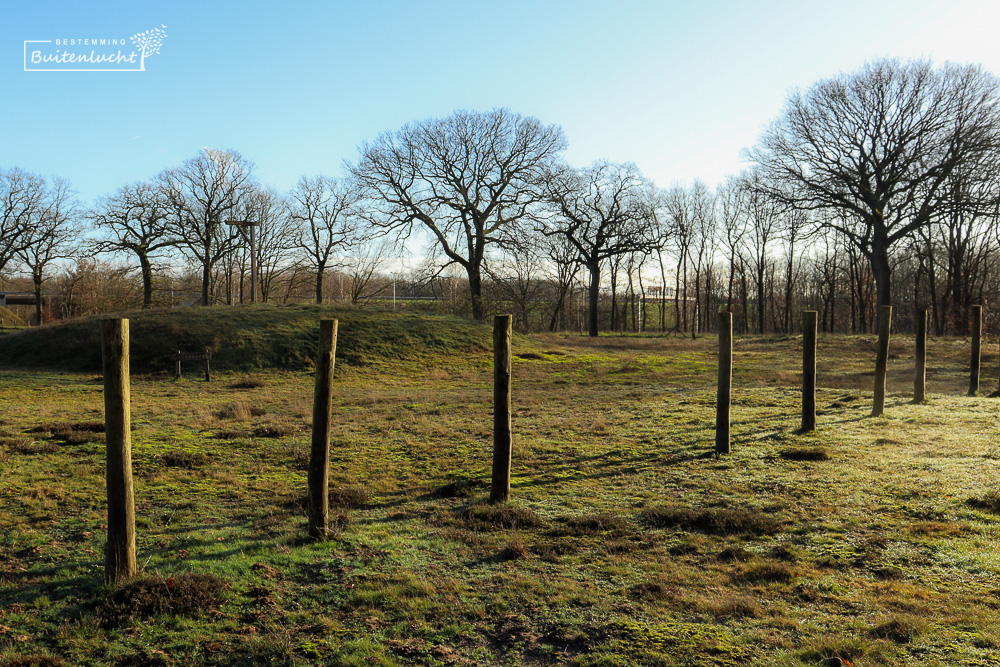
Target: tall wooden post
882,360
725,383
808,370
119,557
920,358
319,458
977,349
502,441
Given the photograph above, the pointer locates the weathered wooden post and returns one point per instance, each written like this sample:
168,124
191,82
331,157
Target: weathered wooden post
977,349
208,367
725,383
882,361
502,442
177,365
119,557
319,458
808,370
920,358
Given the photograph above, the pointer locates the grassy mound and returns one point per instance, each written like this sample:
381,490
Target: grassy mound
243,338
9,318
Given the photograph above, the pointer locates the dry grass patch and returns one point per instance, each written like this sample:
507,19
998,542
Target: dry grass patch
899,629
462,487
767,573
181,459
186,594
716,521
592,524
804,454
349,496
494,517
990,502
248,382
240,411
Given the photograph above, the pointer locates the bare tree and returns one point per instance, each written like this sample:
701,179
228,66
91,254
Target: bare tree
22,200
462,179
135,219
327,212
604,211
202,194
49,236
365,266
878,147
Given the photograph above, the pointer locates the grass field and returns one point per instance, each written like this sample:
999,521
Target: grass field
627,542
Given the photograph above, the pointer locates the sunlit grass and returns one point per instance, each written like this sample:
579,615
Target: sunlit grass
626,542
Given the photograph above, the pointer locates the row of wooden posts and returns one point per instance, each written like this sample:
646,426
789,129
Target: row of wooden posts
120,562
725,382
120,553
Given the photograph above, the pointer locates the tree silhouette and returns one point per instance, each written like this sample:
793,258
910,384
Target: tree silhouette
148,42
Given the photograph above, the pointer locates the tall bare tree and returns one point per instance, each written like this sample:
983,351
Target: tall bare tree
49,235
22,200
327,212
135,219
604,211
203,193
462,179
878,147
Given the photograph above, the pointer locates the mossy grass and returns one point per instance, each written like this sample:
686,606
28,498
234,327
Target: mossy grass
626,540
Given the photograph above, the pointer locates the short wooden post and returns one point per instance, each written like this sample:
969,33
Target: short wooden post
725,383
809,370
977,349
119,561
208,361
920,358
319,458
502,441
882,361
177,365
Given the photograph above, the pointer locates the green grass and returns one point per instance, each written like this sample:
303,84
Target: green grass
243,339
626,541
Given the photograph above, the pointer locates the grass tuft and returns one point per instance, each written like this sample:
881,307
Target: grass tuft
462,487
514,549
493,517
768,573
33,661
349,496
592,524
248,382
240,411
990,502
804,454
716,521
179,458
186,594
901,630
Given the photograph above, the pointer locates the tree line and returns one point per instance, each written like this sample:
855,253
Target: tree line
872,188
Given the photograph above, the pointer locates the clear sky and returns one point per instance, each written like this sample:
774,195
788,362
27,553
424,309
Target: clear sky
680,88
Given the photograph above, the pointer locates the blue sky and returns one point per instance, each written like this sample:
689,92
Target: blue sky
680,88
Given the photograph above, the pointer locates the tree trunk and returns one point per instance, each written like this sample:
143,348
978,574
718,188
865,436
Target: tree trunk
319,284
206,279
476,291
36,279
879,259
147,281
595,292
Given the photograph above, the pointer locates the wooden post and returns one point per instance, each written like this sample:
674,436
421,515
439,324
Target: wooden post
502,443
319,459
920,358
725,383
208,369
177,365
808,370
882,361
977,348
119,561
